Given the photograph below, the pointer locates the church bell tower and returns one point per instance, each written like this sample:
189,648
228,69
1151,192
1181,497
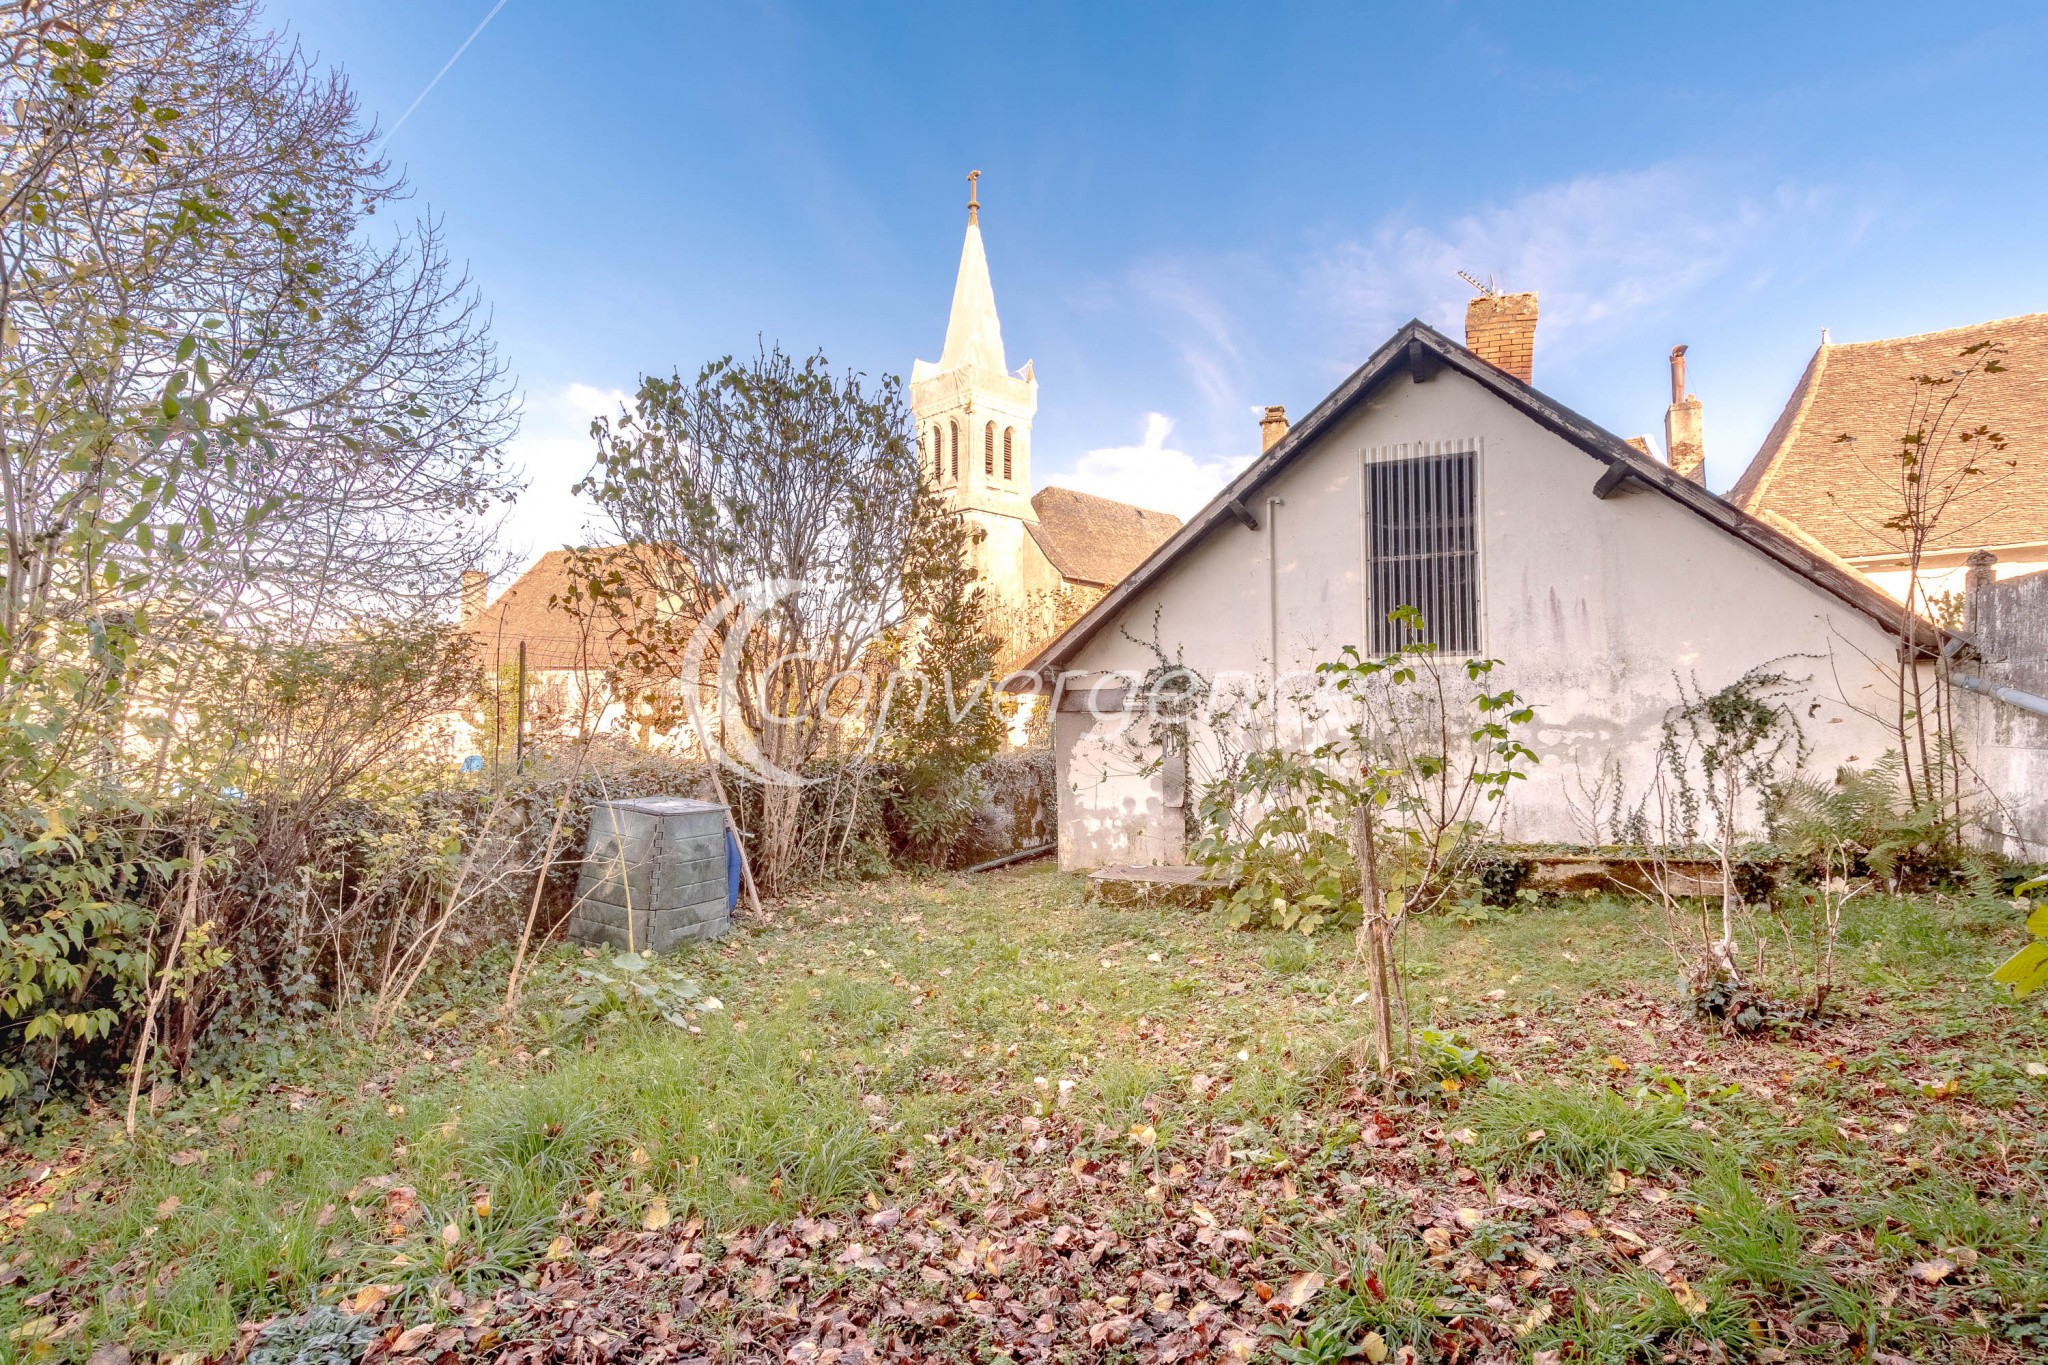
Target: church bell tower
974,421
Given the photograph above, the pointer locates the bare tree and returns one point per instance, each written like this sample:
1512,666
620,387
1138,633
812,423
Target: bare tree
246,427
1938,475
221,394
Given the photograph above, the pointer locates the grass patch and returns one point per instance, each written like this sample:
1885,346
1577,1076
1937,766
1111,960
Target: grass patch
1576,1131
946,1047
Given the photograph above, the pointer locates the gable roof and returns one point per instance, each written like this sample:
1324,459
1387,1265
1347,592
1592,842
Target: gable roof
1421,352
555,635
1840,493
1096,540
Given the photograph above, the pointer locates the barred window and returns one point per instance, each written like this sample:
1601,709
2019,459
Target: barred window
953,429
1009,436
1422,549
988,450
938,452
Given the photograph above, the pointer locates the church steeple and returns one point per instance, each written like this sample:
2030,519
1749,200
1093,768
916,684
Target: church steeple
973,334
974,416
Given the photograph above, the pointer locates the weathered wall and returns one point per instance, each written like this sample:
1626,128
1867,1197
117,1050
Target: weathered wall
1596,607
1948,574
2008,620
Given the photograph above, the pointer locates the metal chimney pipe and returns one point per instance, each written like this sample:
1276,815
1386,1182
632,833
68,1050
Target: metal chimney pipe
1678,374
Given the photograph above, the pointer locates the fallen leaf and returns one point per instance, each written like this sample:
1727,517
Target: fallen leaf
1932,1271
188,1157
1534,1135
1538,1315
1143,1134
35,1329
168,1207
1373,1347
1690,1299
1464,1137
408,1340
1659,1260
2036,1069
450,1235
561,1249
368,1299
1617,1181
657,1217
1301,1289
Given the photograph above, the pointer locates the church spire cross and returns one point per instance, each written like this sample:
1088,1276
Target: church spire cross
973,197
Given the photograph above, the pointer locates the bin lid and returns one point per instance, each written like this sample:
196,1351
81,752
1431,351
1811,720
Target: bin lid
664,805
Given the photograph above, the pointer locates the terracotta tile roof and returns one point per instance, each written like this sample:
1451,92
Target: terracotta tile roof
1096,540
556,636
1839,494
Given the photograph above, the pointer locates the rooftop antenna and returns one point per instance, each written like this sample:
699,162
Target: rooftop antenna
1489,288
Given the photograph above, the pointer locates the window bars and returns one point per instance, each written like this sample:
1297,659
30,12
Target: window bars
1422,550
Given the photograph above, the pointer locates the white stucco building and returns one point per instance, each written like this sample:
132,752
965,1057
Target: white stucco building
1597,574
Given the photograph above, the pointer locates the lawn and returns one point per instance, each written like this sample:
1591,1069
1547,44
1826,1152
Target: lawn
991,1119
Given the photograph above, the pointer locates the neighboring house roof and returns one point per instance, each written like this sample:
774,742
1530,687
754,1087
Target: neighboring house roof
534,610
1840,493
1096,540
1420,351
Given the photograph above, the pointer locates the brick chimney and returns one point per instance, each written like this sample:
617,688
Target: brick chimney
476,587
1272,427
1685,439
1501,330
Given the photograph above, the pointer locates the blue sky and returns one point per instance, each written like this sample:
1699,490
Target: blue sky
1192,210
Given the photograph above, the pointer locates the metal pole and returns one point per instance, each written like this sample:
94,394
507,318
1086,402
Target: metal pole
519,717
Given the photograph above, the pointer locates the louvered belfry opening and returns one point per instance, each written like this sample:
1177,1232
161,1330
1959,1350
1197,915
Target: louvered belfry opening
1422,550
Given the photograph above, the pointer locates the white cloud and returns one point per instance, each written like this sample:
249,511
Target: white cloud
555,451
1152,473
1602,250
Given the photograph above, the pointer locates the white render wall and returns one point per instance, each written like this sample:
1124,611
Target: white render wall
1594,607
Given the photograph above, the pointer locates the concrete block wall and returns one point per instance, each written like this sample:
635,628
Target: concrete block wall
2008,747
